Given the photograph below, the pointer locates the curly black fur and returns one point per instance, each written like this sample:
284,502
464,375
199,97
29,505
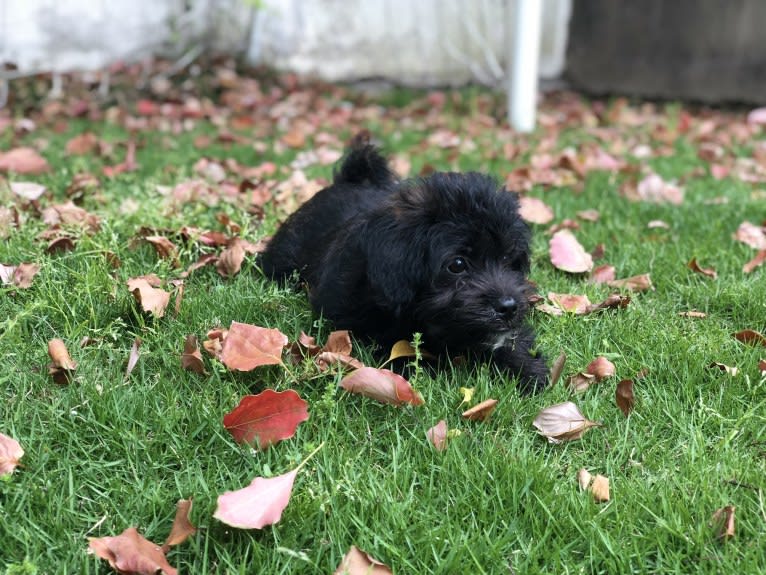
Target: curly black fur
445,256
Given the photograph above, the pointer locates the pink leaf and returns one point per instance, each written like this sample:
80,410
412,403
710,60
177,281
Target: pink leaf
382,385
534,210
248,346
10,454
259,504
568,255
757,116
438,435
23,161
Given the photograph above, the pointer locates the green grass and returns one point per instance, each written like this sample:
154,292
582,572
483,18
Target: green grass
107,452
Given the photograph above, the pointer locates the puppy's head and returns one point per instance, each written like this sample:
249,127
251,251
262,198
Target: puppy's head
452,256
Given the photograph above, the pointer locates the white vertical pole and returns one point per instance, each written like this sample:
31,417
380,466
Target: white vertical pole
524,62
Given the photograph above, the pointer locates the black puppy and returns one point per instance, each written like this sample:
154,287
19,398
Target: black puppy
445,256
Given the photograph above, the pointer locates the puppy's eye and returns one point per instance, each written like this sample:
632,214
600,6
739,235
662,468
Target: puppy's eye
458,265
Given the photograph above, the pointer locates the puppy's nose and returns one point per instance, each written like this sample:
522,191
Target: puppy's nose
506,306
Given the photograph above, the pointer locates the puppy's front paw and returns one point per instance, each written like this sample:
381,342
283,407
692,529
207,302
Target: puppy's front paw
533,376
519,361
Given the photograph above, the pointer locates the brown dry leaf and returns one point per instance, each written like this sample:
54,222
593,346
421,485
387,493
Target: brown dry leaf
131,553
567,254
654,224
20,276
584,478
326,359
562,422
339,342
165,248
642,282
762,366
437,435
23,161
357,562
757,261
534,210
230,261
152,300
10,454
600,489
480,411
752,235
601,368
69,214
579,382
695,267
557,368
82,144
723,522
693,314
182,526
624,397
751,337
614,301
133,357
62,365
246,347
191,359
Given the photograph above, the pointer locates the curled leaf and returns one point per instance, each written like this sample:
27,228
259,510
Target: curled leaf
624,396
695,267
557,368
641,282
182,526
729,370
567,254
579,382
601,368
723,522
10,454
584,478
191,358
757,261
131,552
600,488
133,357
357,562
151,299
480,411
382,385
62,365
562,422
438,435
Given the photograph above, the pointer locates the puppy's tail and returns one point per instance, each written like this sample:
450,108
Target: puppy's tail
364,164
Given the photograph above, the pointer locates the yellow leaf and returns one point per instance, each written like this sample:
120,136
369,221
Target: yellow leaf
467,393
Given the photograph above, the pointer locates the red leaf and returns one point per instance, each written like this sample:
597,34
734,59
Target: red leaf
751,337
568,255
10,454
382,385
249,346
23,161
624,396
438,435
259,504
130,552
266,418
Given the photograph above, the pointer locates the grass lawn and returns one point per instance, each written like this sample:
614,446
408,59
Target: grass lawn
107,452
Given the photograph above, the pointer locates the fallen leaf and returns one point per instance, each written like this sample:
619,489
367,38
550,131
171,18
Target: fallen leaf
133,357
603,274
601,368
656,190
723,522
762,366
534,210
584,478
557,368
62,365
467,393
757,261
438,435
695,267
757,116
191,358
401,348
589,215
266,418
642,282
131,553
567,254
164,248
576,304
259,504
562,422
480,411
326,359
23,161
579,382
600,488
357,562
82,144
28,190
752,235
654,224
751,337
693,314
182,526
151,299
10,454
230,261
382,385
624,397
339,342
248,346
614,301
